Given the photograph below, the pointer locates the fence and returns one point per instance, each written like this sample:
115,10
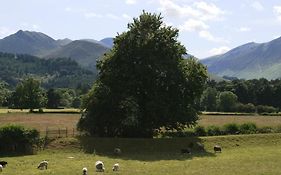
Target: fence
59,132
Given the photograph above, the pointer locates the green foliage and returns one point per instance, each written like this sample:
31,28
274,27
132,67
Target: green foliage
248,128
247,108
4,93
28,95
227,101
59,72
200,131
213,131
209,99
266,109
17,139
144,83
231,128
53,98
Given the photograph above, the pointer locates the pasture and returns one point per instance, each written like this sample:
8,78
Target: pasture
60,118
241,154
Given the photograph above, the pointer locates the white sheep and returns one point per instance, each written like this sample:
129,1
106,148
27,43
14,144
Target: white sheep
115,167
85,171
1,168
43,165
99,166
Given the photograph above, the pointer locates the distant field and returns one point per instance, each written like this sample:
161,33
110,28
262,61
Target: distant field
219,120
243,155
65,120
41,121
5,110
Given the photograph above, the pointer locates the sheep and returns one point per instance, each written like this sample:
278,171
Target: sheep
99,166
84,171
1,168
43,165
117,151
3,163
217,148
115,167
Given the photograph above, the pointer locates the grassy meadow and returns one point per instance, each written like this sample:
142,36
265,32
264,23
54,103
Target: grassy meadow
242,154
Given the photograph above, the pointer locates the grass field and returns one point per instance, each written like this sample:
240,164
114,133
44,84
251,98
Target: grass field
247,154
220,120
69,120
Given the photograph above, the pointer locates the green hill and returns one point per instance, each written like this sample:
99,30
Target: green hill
83,52
248,61
60,72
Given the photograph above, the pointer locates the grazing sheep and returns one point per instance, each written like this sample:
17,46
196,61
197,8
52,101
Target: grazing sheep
1,168
99,166
117,151
3,163
84,171
185,151
43,165
115,167
217,148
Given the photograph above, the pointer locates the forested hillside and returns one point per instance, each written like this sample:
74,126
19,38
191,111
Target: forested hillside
60,72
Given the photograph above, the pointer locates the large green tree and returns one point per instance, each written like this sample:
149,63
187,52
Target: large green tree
144,83
28,95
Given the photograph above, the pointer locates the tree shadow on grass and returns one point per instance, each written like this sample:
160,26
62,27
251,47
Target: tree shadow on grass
146,149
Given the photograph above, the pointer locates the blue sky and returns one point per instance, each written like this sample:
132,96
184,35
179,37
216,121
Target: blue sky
207,27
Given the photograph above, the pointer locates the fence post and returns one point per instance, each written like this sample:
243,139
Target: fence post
47,131
59,132
73,132
66,133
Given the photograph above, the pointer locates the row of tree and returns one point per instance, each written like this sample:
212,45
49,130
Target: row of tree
29,94
236,94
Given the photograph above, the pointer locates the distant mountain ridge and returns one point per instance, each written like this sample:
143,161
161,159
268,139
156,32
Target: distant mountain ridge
85,51
249,61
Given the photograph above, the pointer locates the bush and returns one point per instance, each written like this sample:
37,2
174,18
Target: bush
248,128
266,109
17,139
213,131
231,128
265,129
278,129
200,131
247,108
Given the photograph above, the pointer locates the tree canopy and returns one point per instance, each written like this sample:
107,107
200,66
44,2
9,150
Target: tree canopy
144,83
28,95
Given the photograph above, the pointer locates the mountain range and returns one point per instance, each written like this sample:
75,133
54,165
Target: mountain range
84,51
249,61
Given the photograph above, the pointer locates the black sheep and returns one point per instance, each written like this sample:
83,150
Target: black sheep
3,163
217,148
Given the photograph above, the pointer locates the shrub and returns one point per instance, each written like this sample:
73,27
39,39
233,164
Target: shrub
40,110
200,131
213,131
17,139
248,108
248,128
231,128
265,129
266,109
278,129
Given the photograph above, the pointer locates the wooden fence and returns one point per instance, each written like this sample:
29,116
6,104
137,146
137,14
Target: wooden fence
59,132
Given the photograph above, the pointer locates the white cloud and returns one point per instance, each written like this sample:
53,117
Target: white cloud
193,25
5,31
244,29
200,10
130,2
194,16
277,11
126,16
258,6
208,36
220,50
